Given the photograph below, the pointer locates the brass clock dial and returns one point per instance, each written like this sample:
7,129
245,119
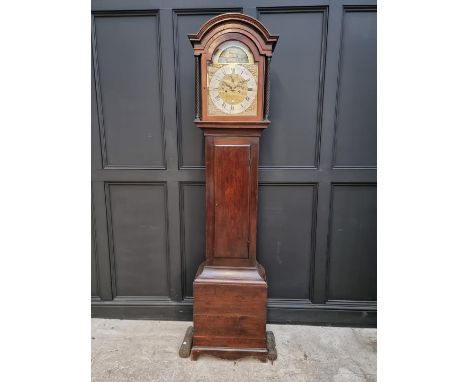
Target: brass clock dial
232,81
232,89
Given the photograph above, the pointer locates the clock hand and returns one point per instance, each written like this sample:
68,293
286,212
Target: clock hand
229,86
240,83
239,87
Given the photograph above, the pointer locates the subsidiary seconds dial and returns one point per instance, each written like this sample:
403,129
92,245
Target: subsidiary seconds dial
232,89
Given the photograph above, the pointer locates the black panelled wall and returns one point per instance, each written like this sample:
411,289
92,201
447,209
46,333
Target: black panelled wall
317,192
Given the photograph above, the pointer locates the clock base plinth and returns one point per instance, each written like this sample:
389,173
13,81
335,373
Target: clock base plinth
233,354
185,350
230,353
229,313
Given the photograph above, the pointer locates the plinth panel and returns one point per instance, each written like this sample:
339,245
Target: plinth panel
229,308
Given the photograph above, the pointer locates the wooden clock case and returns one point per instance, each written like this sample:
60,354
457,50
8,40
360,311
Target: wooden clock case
230,287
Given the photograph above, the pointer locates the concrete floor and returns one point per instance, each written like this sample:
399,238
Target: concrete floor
127,350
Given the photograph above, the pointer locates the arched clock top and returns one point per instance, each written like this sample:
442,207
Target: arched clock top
234,23
232,56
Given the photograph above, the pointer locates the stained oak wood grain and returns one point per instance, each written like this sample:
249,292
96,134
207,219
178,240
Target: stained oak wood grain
231,183
230,287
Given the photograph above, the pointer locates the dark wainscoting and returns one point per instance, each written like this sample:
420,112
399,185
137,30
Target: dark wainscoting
317,191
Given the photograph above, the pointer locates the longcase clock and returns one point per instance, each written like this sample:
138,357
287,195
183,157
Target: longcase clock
232,58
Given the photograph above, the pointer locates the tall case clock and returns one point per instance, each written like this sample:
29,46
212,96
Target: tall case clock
232,60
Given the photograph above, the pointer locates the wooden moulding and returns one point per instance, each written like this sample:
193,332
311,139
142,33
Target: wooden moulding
233,20
226,353
238,125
